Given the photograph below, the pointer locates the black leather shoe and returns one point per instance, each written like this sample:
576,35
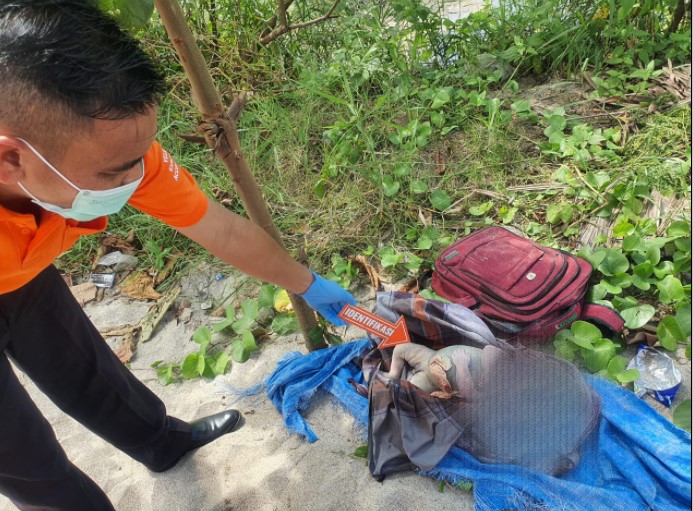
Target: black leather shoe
204,431
208,429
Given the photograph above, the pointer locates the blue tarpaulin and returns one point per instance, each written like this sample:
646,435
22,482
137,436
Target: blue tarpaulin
635,460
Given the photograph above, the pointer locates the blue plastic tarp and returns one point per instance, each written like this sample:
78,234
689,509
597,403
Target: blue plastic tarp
635,460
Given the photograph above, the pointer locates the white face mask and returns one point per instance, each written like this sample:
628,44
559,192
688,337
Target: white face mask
88,204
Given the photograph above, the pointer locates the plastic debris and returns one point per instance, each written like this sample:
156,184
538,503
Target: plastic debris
118,260
658,375
102,279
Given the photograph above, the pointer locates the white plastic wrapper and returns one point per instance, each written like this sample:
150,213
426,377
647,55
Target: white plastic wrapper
658,375
118,260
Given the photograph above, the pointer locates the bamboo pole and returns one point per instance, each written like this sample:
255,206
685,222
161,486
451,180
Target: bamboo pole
222,136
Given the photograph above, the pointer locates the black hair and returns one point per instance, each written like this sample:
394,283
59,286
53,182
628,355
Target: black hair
64,63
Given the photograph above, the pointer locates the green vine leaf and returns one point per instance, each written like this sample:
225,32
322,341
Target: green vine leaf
265,297
599,356
190,366
202,336
682,415
670,333
284,324
440,200
242,348
614,262
670,289
638,316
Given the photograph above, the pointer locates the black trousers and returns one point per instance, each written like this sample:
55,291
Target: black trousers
45,332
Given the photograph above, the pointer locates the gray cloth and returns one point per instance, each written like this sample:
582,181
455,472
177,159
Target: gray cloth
527,408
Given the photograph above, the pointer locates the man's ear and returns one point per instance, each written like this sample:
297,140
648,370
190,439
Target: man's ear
11,161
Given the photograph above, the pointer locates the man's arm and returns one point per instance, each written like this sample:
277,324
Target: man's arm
248,248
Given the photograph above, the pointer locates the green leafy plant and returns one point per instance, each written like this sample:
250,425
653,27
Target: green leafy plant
198,364
342,271
157,253
599,354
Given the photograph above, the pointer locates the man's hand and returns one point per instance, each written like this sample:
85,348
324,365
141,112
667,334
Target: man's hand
328,298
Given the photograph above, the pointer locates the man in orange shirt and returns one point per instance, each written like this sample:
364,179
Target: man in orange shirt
78,106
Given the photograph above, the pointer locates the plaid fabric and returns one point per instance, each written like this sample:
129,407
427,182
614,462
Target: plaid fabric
430,323
511,417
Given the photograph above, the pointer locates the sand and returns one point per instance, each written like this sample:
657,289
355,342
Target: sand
259,467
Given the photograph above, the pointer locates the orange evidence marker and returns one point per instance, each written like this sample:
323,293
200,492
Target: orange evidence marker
392,334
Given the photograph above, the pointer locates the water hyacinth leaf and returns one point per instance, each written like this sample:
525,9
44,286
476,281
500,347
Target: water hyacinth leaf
663,269
670,289
553,213
202,336
281,301
683,244
654,254
390,260
682,415
481,209
440,200
440,98
465,486
284,324
632,242
622,280
599,356
190,366
586,331
242,348
638,316
230,318
390,186
564,349
244,323
679,229
643,270
610,288
624,302
424,243
614,262
670,333
598,180
595,293
521,106
165,375
616,365
641,283
623,229
266,296
220,364
437,119
508,215
361,451
628,375
418,187
593,257
556,125
683,315
402,170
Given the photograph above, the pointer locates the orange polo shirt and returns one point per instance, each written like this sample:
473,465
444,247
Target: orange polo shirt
27,246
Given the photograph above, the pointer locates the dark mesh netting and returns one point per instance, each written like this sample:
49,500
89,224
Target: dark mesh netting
457,384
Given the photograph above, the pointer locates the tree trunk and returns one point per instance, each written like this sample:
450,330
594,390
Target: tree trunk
222,137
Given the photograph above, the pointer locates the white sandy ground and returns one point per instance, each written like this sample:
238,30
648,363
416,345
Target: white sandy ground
259,467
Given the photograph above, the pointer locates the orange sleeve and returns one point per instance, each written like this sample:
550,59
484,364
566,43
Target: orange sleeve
168,192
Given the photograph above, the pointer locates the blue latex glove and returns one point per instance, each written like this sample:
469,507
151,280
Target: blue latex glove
328,298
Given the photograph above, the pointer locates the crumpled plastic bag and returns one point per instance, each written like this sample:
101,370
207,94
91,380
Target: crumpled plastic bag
659,377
